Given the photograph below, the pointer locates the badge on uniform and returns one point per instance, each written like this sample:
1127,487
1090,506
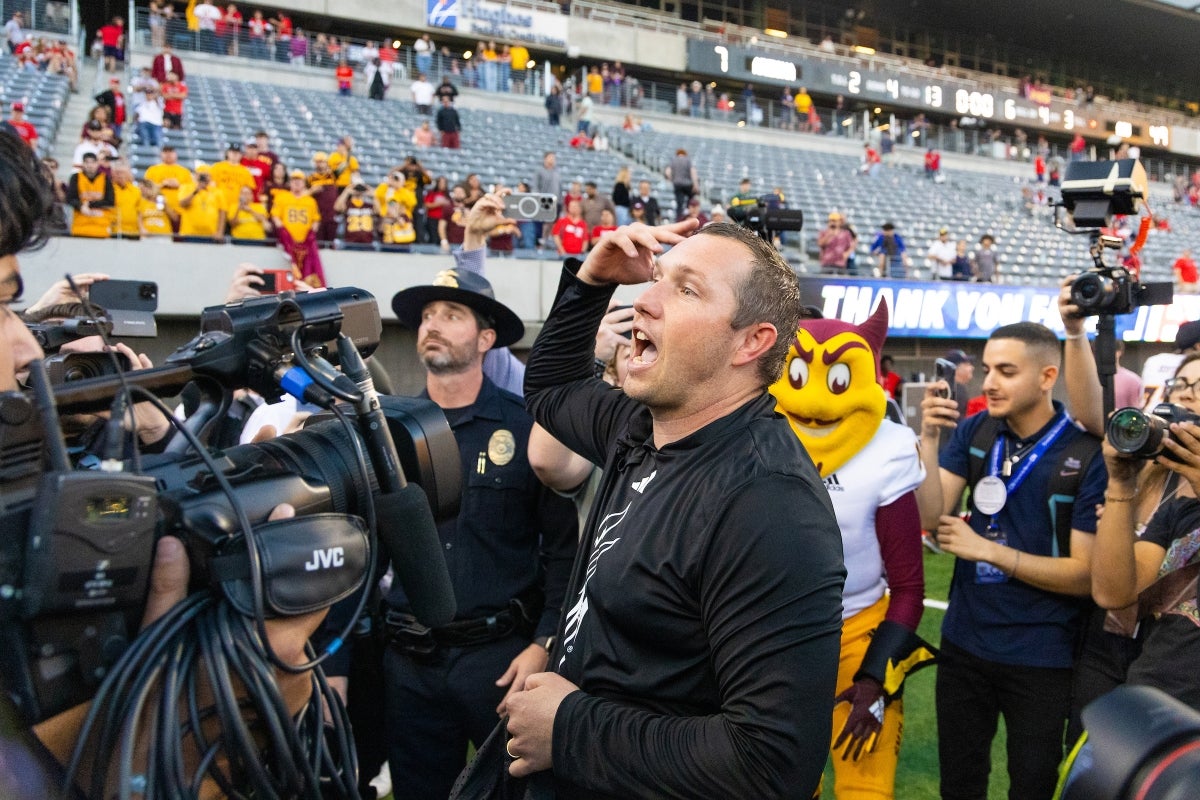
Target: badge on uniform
501,447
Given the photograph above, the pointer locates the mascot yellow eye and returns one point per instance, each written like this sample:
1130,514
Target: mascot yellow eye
839,378
798,372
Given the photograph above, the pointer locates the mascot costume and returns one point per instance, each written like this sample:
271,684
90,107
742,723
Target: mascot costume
832,395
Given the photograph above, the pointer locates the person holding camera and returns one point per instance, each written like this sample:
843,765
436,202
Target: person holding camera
357,209
1023,561
29,766
202,210
1150,569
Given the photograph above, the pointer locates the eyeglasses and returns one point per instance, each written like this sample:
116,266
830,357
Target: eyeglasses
1174,386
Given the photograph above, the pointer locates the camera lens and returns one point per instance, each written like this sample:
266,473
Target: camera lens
1134,433
1087,291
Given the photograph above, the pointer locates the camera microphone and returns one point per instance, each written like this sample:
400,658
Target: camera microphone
405,522
409,534
372,423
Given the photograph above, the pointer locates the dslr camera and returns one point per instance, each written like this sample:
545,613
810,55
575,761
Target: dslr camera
78,546
1136,433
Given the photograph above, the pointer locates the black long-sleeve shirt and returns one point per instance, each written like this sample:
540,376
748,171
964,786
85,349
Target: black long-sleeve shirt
705,609
447,120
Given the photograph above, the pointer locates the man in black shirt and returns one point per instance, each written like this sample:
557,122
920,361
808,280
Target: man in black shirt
446,89
700,654
649,203
448,123
508,551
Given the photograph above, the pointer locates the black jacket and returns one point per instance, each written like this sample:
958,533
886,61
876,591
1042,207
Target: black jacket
704,612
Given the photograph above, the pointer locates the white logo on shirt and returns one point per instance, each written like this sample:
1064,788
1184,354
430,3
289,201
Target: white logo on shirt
601,546
640,486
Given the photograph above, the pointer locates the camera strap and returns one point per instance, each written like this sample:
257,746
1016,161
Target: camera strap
308,563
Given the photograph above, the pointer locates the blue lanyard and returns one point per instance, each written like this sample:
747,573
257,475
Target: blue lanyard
1027,463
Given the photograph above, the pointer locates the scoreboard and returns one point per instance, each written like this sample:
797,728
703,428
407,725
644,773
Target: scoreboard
927,91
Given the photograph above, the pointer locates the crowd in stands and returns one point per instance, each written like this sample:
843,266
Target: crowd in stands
53,57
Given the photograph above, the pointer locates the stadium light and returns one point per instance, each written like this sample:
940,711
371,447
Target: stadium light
778,34
396,44
467,54
530,64
864,51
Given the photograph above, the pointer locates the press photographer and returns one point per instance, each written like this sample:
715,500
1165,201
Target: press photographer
223,659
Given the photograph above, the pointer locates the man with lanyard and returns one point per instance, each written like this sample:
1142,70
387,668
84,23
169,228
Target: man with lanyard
1009,634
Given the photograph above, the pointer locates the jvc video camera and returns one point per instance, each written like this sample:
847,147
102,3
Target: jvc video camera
77,546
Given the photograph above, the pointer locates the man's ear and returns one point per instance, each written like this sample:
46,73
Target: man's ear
753,341
487,338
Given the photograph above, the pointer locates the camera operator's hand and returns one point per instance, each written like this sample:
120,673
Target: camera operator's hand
1184,443
484,218
937,410
614,328
1072,319
288,635
1122,470
626,255
147,420
60,292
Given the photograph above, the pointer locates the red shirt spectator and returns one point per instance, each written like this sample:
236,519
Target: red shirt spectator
345,77
600,230
258,166
1078,145
24,128
174,93
1039,168
110,34
571,232
933,161
1186,274
891,381
437,200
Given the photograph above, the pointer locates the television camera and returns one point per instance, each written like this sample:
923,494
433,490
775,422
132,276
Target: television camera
78,549
767,219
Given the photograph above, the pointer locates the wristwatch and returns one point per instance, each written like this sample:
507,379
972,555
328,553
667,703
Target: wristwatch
546,642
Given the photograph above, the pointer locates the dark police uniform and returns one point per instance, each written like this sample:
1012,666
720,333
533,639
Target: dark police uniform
509,554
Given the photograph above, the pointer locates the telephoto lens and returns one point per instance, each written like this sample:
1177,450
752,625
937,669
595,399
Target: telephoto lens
1136,434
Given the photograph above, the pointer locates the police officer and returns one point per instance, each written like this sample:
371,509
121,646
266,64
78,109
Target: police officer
509,550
